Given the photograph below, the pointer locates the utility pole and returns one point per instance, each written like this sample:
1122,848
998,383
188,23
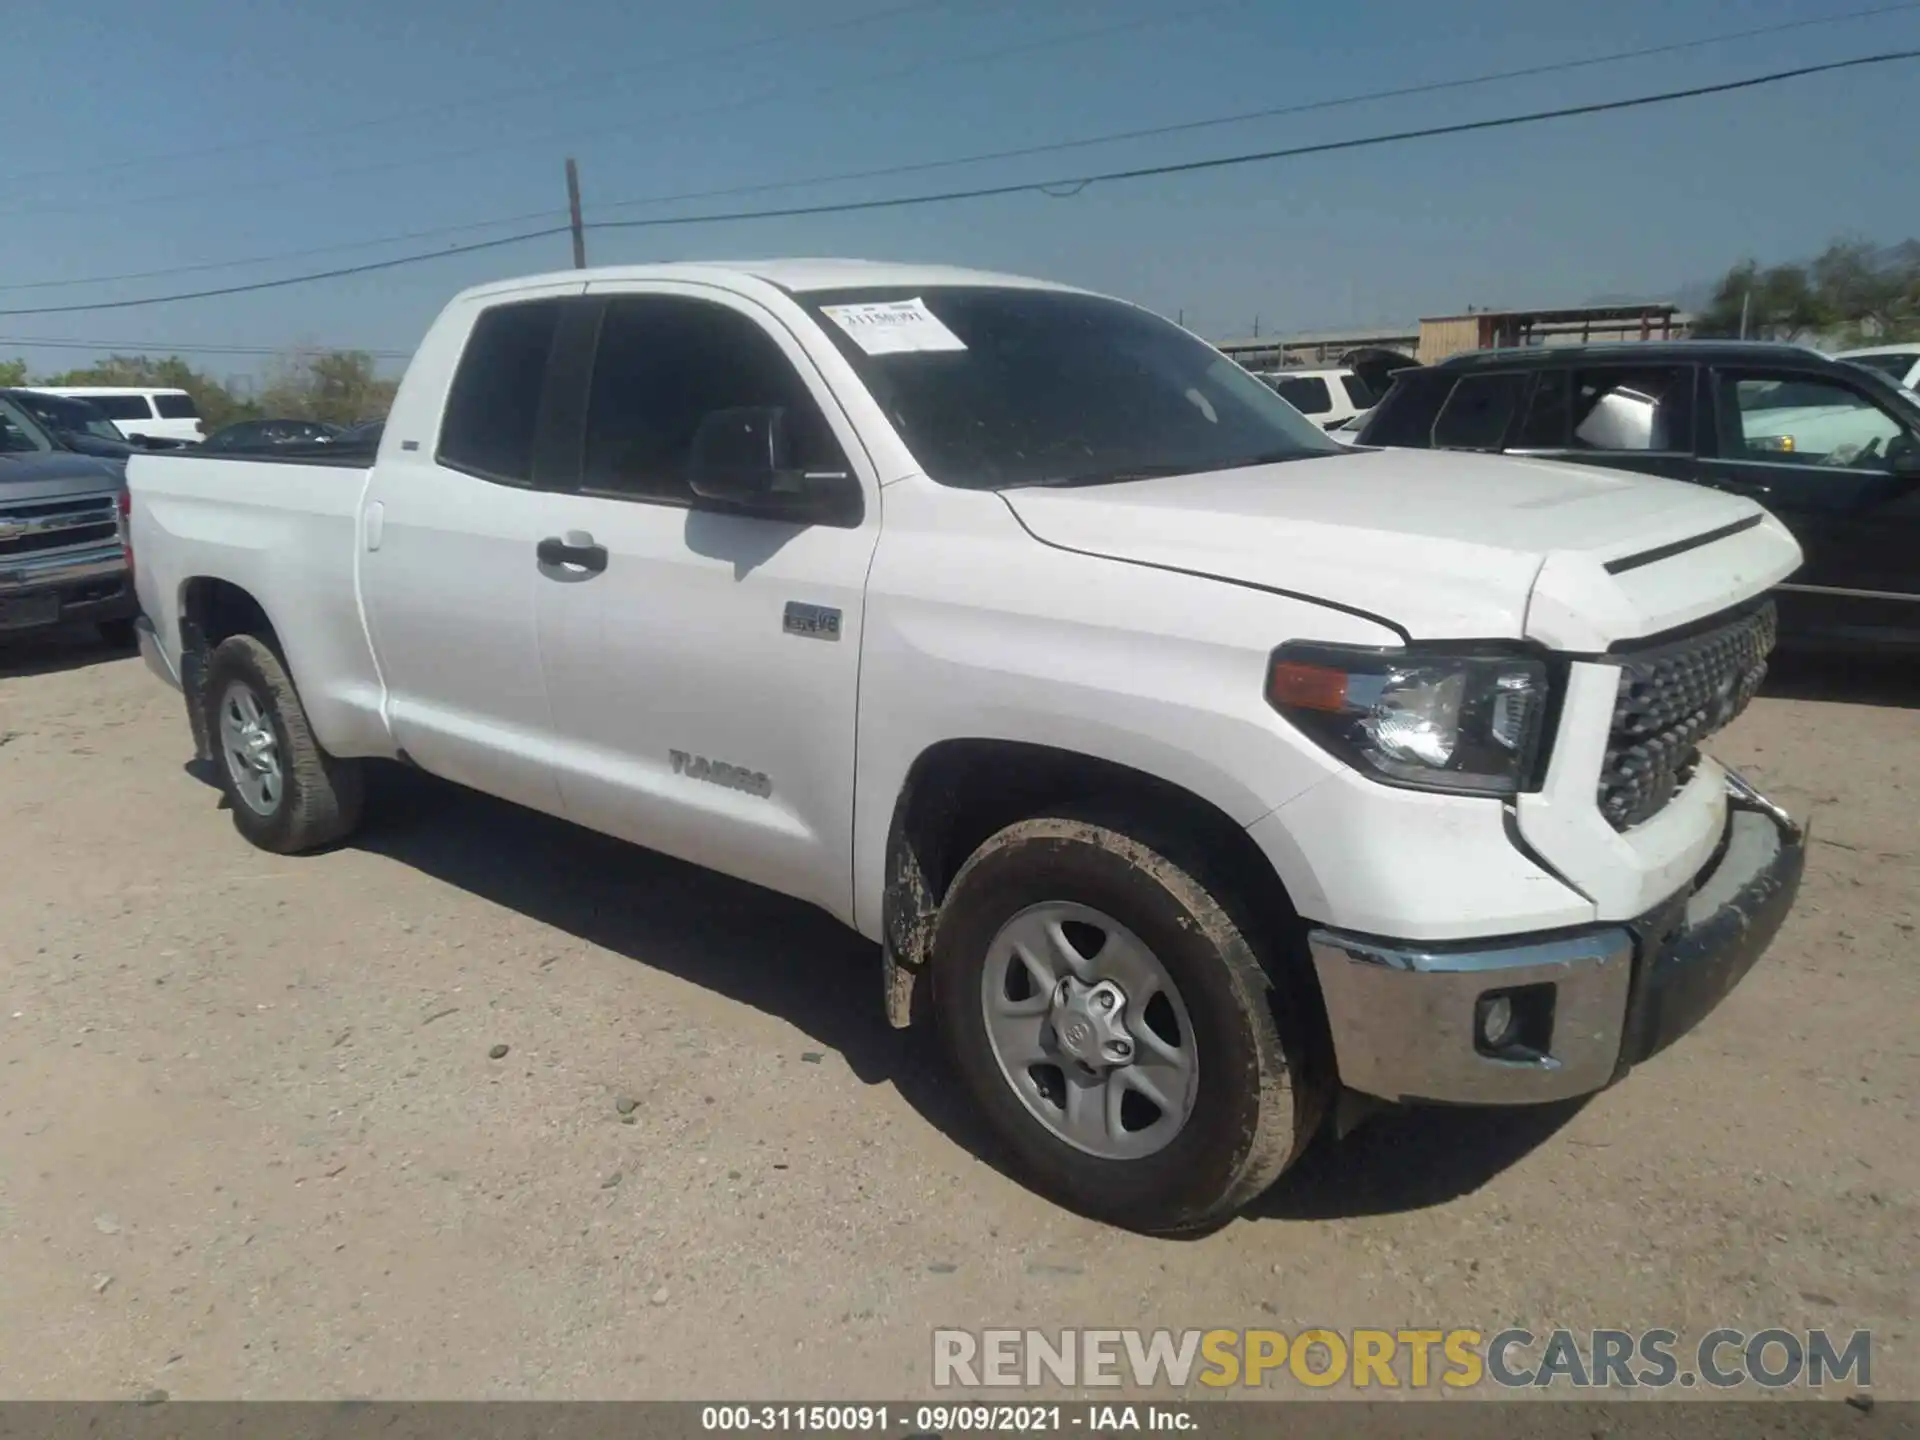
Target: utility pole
573,209
1746,299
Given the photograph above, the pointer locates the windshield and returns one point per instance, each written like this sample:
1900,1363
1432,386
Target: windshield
59,413
1894,365
20,433
994,387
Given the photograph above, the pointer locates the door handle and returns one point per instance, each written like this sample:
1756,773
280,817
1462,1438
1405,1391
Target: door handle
576,548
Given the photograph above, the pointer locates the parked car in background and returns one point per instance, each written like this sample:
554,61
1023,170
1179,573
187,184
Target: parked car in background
271,435
141,414
78,425
62,549
1184,766
1899,363
1831,447
1326,397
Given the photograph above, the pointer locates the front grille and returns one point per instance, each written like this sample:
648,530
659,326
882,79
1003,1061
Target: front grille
56,525
1672,697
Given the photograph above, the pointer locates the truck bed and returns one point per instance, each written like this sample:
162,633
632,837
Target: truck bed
285,530
349,456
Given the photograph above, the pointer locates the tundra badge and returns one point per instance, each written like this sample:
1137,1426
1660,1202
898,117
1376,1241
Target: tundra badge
718,772
815,622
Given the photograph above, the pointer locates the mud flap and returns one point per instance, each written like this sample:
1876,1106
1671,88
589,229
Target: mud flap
194,654
904,990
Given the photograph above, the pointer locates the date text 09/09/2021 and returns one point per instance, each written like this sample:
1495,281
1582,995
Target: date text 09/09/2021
909,1420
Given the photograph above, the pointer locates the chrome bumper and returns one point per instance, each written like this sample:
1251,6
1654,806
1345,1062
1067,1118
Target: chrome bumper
1406,1017
56,568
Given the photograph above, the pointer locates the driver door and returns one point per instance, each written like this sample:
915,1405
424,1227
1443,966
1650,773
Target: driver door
1834,462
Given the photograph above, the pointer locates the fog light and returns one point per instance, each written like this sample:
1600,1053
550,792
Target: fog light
1496,1023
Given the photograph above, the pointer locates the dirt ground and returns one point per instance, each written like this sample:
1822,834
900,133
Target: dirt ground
252,1143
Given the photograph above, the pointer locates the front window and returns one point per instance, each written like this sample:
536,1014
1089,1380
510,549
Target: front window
993,387
176,407
20,433
1798,421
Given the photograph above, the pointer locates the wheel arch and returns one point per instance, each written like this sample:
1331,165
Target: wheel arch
210,610
958,792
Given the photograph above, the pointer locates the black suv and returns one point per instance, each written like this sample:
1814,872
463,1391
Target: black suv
1831,448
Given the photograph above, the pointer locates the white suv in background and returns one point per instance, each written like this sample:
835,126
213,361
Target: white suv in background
156,414
1326,397
1899,363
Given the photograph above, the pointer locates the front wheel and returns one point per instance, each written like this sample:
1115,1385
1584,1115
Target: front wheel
1108,1009
286,793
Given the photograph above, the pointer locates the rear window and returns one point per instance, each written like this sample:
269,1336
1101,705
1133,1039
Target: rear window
121,407
1478,412
176,407
1405,417
493,410
1306,393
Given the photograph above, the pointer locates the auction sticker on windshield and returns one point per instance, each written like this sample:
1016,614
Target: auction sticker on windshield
893,327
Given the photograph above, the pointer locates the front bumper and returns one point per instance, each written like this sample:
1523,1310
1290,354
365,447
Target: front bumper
1588,1004
41,591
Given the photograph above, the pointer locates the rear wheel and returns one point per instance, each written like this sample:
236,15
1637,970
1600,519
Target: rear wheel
1108,1009
286,793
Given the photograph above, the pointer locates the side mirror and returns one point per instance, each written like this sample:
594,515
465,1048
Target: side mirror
742,457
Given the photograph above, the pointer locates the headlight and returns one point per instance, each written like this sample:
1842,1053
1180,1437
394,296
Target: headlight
1463,723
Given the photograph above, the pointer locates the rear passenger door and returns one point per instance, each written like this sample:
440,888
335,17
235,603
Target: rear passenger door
1623,417
449,562
703,663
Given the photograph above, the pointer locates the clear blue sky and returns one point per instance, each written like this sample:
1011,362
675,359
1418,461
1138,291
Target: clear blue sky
148,136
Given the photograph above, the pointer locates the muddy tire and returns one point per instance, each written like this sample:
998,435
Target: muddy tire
1105,1001
286,793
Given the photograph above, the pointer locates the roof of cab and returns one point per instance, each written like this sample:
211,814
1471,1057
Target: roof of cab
797,276
1702,351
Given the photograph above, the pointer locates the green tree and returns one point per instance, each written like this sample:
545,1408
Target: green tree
1853,293
337,386
13,372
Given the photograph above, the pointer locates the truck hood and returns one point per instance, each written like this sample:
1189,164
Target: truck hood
1441,545
56,475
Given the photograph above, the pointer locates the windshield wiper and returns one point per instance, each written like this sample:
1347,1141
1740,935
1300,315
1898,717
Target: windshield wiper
1280,457
1107,477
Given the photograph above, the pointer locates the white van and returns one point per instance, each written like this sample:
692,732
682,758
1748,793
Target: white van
160,414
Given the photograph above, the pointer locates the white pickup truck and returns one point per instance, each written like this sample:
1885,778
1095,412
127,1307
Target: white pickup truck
1192,771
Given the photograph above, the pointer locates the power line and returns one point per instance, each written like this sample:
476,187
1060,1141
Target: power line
1073,185
1273,112
336,274
491,99
1066,185
132,347
954,162
677,115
